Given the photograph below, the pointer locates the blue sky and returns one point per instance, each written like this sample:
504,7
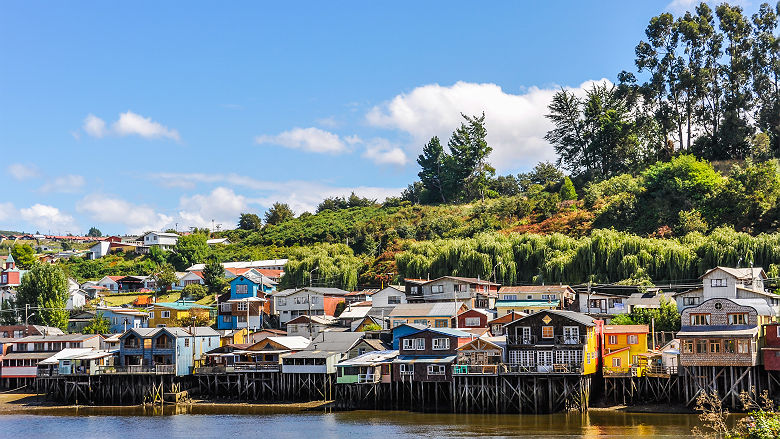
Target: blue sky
144,115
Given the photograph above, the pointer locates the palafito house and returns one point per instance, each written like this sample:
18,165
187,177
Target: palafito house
176,313
622,349
432,314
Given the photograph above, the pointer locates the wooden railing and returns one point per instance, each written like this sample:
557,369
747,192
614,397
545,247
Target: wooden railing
630,371
241,367
160,369
475,369
366,378
555,368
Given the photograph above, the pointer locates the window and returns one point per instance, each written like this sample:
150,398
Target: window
225,319
282,301
420,322
407,369
440,344
510,296
242,289
714,346
613,339
440,323
529,297
616,362
151,315
472,321
688,346
700,319
743,347
393,300
398,323
419,344
165,314
690,301
594,303
186,342
314,299
408,344
226,307
292,328
301,300
728,346
241,319
415,289
701,346
633,339
738,319
547,332
717,283
436,369
437,289
243,306
614,302
461,288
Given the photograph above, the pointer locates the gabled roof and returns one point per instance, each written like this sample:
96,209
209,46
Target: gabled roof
626,329
471,280
57,338
739,273
334,341
528,303
452,332
370,358
536,289
510,317
321,320
318,290
498,343
181,306
428,309
255,278
576,316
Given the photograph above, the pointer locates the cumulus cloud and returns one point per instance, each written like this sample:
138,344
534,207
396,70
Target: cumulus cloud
94,126
516,123
222,205
129,124
47,218
302,196
382,152
21,171
65,184
111,209
308,139
7,211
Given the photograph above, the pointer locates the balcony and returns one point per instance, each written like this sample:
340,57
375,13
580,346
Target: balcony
571,340
550,369
620,372
475,369
368,378
521,340
160,369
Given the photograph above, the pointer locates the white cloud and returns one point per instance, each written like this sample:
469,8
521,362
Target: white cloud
222,205
48,218
308,139
382,152
110,209
65,184
7,211
516,123
679,7
94,126
302,196
129,124
20,171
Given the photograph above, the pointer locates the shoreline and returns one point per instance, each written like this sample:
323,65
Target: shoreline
32,404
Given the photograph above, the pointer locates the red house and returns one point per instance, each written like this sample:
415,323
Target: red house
771,351
10,276
474,318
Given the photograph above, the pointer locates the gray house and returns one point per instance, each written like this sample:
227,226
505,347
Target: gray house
165,350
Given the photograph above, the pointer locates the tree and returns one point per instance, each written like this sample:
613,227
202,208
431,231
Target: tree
164,278
467,168
567,191
249,221
214,276
279,213
45,286
191,249
24,255
432,173
371,327
94,232
195,291
544,174
98,325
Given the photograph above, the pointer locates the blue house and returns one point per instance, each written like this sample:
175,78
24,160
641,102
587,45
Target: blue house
247,303
122,319
405,329
165,350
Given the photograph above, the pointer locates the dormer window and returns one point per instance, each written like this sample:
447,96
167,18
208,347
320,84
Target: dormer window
700,319
715,283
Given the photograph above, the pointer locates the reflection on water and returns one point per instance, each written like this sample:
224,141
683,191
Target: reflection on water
227,421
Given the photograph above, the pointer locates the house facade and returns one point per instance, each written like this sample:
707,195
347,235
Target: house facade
554,341
163,240
248,303
723,332
174,313
622,349
477,292
563,294
428,355
434,315
316,301
771,350
166,350
22,358
729,283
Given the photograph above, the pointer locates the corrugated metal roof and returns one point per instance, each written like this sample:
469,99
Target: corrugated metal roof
529,303
370,359
429,309
424,359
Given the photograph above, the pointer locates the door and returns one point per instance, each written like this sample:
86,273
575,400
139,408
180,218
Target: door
544,361
571,334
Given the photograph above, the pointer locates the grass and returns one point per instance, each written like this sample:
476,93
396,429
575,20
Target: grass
126,299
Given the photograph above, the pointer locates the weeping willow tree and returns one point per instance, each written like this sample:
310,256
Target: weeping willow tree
604,256
325,265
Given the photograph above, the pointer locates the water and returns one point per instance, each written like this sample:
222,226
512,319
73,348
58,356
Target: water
211,422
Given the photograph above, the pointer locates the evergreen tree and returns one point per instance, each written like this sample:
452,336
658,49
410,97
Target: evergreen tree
46,287
278,213
567,191
249,221
432,173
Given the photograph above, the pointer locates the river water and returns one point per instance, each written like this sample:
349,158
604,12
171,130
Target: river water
209,422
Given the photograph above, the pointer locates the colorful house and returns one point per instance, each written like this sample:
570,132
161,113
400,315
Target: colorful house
481,356
496,326
10,276
564,294
428,355
479,293
433,314
369,368
624,349
122,319
474,318
771,351
554,341
247,304
169,350
504,307
176,313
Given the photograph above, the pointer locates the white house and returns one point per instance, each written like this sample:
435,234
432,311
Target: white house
163,240
388,297
188,278
109,282
315,301
271,264
729,283
76,299
217,241
98,250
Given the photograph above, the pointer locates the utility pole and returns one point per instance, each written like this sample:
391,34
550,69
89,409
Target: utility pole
588,297
26,310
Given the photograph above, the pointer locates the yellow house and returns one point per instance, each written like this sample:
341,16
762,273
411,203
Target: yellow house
176,313
232,336
622,349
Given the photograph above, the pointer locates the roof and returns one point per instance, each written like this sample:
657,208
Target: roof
181,306
739,273
497,342
375,343
354,312
291,342
576,316
216,240
27,355
168,234
428,309
424,359
693,331
198,331
626,329
257,279
65,354
370,359
471,280
535,289
512,316
760,305
334,341
527,303
322,320
245,264
319,290
453,332
56,338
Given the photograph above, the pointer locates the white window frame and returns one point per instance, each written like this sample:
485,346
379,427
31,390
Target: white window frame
242,289
165,314
632,339
406,369
408,344
419,344
612,339
243,306
394,299
509,297
151,316
437,369
718,283
441,344
437,289
472,321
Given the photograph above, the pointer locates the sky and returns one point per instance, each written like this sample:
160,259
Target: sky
146,115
